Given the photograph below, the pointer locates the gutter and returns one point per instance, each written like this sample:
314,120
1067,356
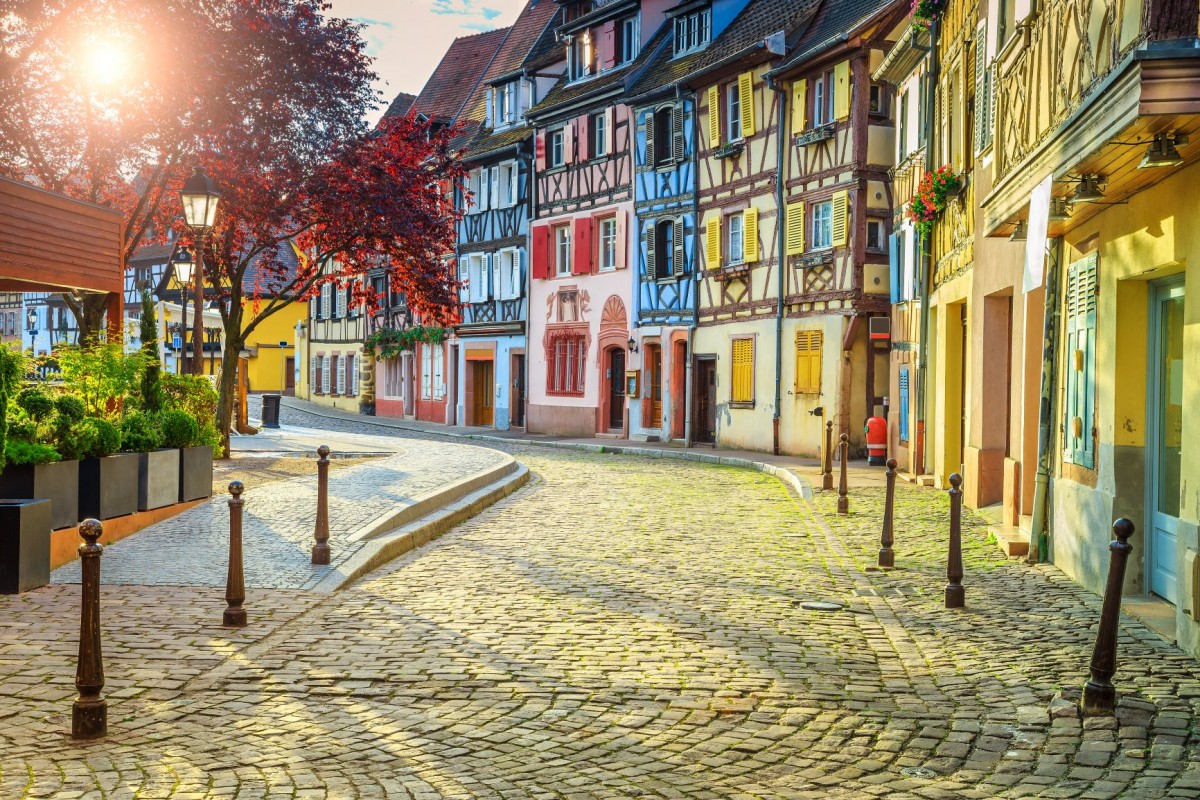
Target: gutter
689,381
780,251
918,466
817,50
1039,533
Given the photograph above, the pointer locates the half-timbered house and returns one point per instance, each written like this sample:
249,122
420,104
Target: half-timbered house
581,287
493,234
335,333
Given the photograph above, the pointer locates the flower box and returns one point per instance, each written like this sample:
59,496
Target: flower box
158,479
730,150
195,473
108,487
57,482
24,545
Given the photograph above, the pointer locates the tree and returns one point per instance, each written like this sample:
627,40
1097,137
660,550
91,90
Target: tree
153,398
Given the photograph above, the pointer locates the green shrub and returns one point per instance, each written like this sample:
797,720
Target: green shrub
179,429
70,407
22,427
36,403
74,440
140,433
105,438
17,453
194,394
103,375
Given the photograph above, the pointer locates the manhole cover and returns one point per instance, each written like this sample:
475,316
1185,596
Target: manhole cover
820,605
918,772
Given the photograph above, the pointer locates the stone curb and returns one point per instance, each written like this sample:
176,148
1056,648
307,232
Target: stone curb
799,484
387,542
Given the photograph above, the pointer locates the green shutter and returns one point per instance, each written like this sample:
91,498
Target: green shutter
1079,444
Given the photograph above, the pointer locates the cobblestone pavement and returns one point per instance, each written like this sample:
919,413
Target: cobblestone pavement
623,627
278,520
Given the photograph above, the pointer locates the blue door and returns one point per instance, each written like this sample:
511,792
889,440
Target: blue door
1165,413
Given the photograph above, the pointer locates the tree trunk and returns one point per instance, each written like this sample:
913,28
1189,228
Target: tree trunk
228,390
89,314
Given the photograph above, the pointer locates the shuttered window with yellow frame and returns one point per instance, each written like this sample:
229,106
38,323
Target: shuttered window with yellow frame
808,362
841,90
841,213
712,242
714,117
795,229
799,106
750,234
742,383
746,98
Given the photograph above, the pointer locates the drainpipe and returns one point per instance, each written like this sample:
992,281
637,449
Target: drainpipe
780,253
926,256
1040,533
689,379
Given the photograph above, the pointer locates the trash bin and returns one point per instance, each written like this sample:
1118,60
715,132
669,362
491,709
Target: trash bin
270,411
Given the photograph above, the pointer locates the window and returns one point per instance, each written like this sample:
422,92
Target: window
737,239
598,134
878,99
352,368
823,100
742,383
693,31
506,104
877,236
426,371
562,250
555,156
342,294
476,274
902,125
661,253
566,356
341,376
608,244
808,362
508,191
581,56
439,370
1080,402
326,301
628,40
325,374
822,226
474,190
734,118
510,274
1006,21
664,127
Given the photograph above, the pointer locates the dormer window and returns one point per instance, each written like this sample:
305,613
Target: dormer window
504,105
581,56
628,43
693,31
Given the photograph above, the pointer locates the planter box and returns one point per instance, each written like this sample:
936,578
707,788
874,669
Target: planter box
158,479
195,473
108,487
24,545
57,482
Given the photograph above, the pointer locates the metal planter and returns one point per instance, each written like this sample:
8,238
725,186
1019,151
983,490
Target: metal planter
24,545
195,473
57,482
158,479
108,487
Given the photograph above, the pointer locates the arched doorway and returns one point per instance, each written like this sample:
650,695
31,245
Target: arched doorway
614,333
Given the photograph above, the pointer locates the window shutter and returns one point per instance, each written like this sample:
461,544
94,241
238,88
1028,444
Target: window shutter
750,235
651,124
712,244
1081,361
841,90
983,91
679,142
808,362
799,106
539,150
608,45
581,236
903,426
679,259
841,203
349,380
568,144
517,289
514,188
746,99
742,388
583,132
621,245
649,235
541,252
795,229
495,188
608,130
354,376
714,117
314,365
894,266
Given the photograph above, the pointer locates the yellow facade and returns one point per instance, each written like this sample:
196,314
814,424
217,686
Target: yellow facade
271,345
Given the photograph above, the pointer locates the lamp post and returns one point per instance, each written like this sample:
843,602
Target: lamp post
31,319
182,263
200,198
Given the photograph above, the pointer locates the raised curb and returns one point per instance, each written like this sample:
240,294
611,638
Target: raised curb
389,542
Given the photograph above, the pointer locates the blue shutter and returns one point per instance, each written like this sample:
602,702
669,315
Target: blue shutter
894,266
904,405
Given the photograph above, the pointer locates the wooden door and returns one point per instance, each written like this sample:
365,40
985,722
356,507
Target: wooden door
654,385
483,390
290,375
517,409
616,389
706,401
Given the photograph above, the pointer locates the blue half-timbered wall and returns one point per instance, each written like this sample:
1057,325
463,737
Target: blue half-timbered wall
493,253
664,196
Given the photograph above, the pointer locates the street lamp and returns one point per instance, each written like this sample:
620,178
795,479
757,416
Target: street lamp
31,318
183,265
200,198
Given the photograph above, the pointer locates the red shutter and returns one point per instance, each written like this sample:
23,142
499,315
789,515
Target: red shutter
581,138
568,144
608,45
622,245
608,131
541,252
582,235
539,146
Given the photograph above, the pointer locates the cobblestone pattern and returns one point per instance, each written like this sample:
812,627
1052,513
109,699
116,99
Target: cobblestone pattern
630,627
278,522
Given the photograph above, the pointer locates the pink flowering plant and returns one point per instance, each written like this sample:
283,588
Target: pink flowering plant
930,200
924,12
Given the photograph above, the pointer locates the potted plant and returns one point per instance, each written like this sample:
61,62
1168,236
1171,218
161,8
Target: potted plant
181,431
158,467
24,523
108,479
933,192
41,456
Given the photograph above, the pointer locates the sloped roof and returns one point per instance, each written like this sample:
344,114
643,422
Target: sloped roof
154,253
272,272
452,86
546,50
400,105
835,19
756,21
533,21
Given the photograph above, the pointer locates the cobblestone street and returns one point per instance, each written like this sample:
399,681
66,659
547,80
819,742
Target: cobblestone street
622,627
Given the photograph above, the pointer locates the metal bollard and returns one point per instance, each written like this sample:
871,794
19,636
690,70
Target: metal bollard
89,714
843,506
320,551
235,584
887,558
1099,694
827,473
955,594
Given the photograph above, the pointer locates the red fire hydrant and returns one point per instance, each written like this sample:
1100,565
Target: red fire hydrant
876,431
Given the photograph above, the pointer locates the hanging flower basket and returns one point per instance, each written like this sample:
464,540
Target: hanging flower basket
924,12
933,191
391,342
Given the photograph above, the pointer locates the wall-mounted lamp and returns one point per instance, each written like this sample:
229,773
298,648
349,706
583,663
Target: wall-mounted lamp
819,411
1088,190
1020,233
1162,152
633,348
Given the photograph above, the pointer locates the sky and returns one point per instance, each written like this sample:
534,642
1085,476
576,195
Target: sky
409,37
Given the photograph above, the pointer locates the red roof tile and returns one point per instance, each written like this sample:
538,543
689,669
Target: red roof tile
524,34
453,87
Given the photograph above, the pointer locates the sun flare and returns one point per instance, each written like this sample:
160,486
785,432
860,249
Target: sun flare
105,61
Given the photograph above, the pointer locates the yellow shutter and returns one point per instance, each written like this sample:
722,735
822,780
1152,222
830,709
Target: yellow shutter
808,362
742,385
712,244
750,234
841,203
714,117
799,106
746,99
795,229
841,90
